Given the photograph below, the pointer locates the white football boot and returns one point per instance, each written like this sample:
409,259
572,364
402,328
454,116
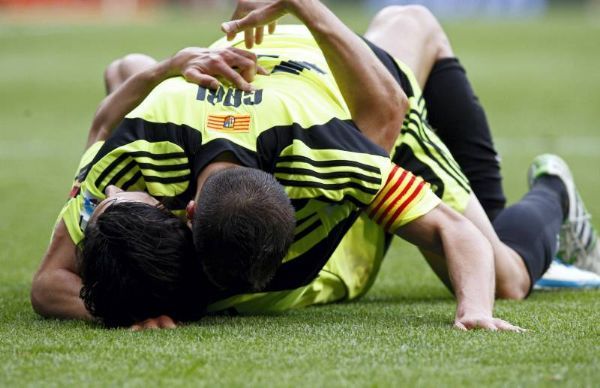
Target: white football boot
561,275
578,241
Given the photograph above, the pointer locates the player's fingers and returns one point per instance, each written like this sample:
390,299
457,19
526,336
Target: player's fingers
196,76
244,53
486,324
136,327
272,27
150,324
234,77
261,70
166,322
458,325
251,56
247,67
505,326
249,38
256,18
259,34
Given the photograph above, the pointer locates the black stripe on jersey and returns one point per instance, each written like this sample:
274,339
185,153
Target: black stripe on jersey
333,186
170,155
83,172
327,175
168,180
303,220
164,168
406,159
327,163
130,130
309,229
296,67
287,67
158,168
120,174
430,155
110,169
456,172
313,67
345,198
134,179
303,269
336,134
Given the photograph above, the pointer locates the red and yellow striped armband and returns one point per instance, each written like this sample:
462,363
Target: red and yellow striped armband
404,198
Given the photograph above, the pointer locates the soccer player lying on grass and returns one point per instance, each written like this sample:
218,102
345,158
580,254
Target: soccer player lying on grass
439,229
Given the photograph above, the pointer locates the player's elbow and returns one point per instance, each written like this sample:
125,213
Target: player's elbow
39,295
511,293
389,120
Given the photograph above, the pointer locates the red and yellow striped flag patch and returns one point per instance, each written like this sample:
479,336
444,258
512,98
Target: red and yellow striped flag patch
401,191
229,122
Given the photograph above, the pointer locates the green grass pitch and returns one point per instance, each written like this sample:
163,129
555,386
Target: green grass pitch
540,83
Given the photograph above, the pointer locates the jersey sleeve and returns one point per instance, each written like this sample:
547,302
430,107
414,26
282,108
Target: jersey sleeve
71,213
404,198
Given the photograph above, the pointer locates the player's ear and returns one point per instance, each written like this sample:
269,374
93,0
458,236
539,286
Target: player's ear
190,210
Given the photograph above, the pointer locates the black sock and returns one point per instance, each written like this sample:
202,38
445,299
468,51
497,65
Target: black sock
555,184
531,226
459,120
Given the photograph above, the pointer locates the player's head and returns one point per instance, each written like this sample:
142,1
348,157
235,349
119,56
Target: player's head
136,262
243,226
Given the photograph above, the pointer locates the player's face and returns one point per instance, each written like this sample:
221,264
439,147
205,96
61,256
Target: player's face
115,194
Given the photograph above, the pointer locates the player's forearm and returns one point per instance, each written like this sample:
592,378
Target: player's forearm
55,294
375,100
130,94
470,261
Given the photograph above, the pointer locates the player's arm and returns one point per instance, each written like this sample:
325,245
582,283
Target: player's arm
197,65
377,103
470,263
56,284
407,207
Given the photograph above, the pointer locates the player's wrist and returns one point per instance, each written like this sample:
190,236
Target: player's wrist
472,311
305,10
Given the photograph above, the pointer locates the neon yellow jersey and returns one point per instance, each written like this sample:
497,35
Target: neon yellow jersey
295,125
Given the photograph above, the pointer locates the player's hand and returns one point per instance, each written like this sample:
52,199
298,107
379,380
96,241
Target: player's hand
203,66
161,322
470,322
252,35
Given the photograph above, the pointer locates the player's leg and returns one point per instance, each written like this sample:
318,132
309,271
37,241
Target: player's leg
413,35
460,121
524,238
428,44
119,70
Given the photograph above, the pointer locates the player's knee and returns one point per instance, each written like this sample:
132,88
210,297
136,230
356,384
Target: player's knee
421,20
511,291
132,63
111,76
119,70
436,35
404,13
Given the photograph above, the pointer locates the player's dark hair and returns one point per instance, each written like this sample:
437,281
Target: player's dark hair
243,226
137,262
